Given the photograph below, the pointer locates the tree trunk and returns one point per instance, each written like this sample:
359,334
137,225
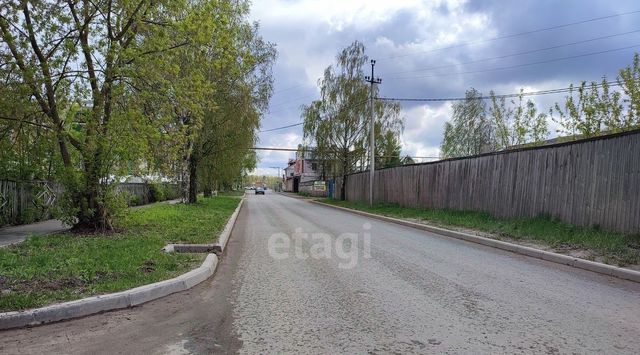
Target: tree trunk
93,214
193,181
345,166
208,191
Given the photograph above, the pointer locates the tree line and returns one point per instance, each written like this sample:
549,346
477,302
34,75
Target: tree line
94,90
589,109
337,126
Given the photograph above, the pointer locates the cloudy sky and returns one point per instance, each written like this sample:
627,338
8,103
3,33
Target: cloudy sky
439,49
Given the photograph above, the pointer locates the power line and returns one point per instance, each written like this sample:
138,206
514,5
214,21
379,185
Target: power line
292,100
301,123
531,93
289,88
303,149
463,44
519,65
283,127
517,54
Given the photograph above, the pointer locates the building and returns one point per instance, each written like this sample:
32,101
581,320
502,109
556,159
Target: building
300,170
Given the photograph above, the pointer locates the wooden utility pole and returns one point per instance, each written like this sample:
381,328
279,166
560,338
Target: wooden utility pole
372,144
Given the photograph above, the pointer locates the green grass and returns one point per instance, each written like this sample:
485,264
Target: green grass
610,247
236,193
43,270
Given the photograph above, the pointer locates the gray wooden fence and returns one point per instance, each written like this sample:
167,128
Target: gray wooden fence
310,188
31,201
28,202
587,182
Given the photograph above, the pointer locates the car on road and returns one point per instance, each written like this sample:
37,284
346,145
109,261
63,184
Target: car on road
259,191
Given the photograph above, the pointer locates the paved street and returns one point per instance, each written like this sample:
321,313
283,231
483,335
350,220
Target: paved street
398,291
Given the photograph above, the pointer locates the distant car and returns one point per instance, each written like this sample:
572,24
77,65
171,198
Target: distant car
259,191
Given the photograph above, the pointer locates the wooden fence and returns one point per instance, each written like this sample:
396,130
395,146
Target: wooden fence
26,202
591,182
310,188
32,201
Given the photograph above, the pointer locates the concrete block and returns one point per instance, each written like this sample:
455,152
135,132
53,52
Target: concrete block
81,308
10,320
143,294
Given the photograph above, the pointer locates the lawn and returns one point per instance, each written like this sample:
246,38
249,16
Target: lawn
609,247
44,270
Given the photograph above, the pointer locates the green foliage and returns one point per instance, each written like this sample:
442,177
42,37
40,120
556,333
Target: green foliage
43,270
388,149
476,128
338,125
594,108
96,90
157,192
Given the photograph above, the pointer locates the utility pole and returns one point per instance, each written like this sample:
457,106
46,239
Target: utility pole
372,144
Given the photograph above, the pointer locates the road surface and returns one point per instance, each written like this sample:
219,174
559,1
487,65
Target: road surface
407,291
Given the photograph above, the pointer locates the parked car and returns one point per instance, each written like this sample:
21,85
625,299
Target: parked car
259,191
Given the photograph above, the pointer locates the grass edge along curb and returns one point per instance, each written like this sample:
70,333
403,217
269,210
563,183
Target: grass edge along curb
119,300
593,266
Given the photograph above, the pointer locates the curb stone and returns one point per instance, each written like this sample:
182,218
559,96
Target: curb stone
593,266
119,300
217,248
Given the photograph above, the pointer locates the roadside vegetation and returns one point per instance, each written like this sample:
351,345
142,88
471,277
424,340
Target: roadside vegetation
44,270
595,243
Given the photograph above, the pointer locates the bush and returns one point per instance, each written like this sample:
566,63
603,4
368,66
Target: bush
135,200
157,192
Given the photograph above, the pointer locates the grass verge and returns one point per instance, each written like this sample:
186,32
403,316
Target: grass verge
44,270
590,243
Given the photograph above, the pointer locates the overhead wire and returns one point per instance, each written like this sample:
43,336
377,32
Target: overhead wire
524,94
463,44
518,65
517,54
301,123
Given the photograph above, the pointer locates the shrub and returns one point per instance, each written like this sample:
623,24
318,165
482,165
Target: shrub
157,192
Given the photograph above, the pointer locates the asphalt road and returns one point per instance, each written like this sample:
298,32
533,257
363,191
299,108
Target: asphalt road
397,290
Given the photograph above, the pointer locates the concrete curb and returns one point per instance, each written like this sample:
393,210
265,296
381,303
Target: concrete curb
119,300
108,302
223,238
600,268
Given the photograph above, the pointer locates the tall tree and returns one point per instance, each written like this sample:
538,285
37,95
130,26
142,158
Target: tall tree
516,123
594,108
122,86
476,128
337,125
243,85
470,131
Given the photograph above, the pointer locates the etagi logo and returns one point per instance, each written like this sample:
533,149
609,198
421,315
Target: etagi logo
301,245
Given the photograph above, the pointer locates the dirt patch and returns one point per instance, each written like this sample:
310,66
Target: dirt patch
74,284
148,266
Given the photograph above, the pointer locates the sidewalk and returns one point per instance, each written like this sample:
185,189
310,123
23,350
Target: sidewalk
17,234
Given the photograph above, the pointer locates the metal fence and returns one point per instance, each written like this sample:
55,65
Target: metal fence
591,182
32,201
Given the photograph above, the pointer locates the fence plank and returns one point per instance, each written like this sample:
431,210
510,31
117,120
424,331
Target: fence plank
588,182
